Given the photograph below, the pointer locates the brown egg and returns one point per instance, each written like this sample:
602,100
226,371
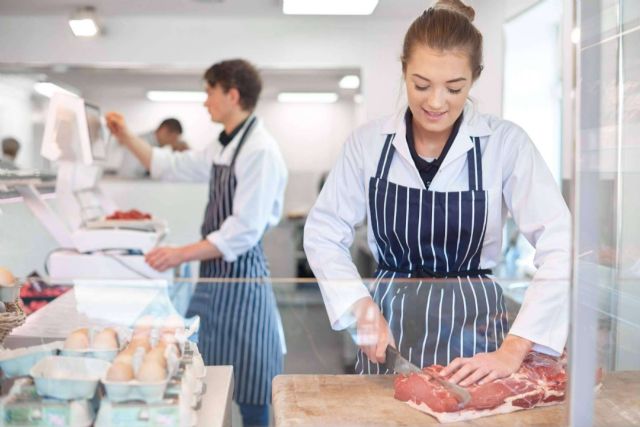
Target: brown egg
120,372
173,324
107,339
157,355
168,340
124,357
6,277
151,371
139,342
146,321
77,340
141,333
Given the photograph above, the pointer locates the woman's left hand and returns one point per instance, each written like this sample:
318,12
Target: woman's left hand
486,367
162,259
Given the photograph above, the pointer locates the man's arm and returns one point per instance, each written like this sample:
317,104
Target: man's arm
140,148
164,258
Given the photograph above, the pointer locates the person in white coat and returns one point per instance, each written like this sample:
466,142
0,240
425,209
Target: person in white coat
240,324
435,183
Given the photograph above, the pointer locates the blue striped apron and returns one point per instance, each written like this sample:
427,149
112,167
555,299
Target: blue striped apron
239,320
452,308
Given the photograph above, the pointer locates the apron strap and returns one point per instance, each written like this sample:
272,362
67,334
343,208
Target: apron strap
384,164
242,139
474,162
423,272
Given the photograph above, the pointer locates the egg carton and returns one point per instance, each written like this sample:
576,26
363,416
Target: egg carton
149,392
98,353
18,362
170,412
68,378
22,407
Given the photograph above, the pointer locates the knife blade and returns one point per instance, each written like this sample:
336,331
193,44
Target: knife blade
400,365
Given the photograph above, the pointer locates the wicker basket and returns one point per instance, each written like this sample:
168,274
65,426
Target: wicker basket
12,318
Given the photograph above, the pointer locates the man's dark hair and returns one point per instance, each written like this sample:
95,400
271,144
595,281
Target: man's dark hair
239,74
173,125
10,147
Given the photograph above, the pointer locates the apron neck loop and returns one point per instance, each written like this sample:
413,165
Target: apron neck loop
384,163
246,132
474,163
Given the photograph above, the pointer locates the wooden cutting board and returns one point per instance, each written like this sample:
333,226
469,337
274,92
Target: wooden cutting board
367,401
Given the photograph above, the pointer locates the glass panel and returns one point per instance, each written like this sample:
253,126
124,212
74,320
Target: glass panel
606,325
630,15
599,20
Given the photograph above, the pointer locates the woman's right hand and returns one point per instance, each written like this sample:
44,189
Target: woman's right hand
373,333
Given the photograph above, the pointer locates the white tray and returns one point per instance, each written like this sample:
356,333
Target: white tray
134,224
18,362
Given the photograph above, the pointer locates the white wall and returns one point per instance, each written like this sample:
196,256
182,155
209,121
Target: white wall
311,135
533,51
16,115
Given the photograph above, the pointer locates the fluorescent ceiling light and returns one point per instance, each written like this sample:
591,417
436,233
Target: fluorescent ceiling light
48,89
328,7
349,82
308,97
176,96
83,27
358,98
83,22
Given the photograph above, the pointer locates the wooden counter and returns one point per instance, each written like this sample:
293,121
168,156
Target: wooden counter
367,401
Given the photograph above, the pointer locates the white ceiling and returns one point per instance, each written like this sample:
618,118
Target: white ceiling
223,8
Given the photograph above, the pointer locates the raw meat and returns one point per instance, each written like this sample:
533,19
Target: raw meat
540,381
129,215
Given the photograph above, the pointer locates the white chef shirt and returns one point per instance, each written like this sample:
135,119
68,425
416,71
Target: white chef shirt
517,180
261,176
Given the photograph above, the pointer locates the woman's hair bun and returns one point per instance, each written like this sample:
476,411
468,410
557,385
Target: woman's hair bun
456,6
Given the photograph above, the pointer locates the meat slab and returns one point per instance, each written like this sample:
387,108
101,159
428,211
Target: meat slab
132,214
540,381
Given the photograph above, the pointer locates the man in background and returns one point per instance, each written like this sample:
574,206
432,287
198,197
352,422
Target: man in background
167,136
10,148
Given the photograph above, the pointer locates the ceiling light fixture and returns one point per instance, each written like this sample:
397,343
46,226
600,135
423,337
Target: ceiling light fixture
349,82
308,97
176,96
328,7
48,89
83,22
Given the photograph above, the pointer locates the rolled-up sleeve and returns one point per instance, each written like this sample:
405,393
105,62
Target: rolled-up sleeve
190,165
534,199
257,202
329,233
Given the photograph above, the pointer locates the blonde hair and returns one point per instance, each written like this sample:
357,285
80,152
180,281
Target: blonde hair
446,26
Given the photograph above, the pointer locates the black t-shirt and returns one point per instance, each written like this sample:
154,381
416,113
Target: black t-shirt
225,138
427,169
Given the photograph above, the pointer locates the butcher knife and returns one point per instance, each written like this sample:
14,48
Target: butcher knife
400,365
